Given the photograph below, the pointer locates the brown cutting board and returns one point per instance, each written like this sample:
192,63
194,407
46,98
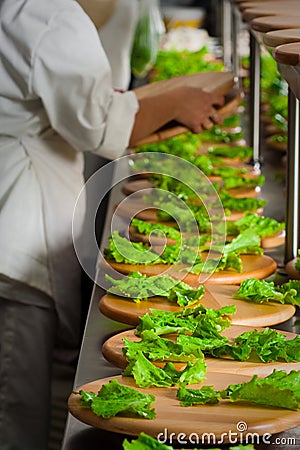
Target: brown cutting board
254,266
137,208
268,242
219,419
291,270
216,82
137,187
126,311
112,351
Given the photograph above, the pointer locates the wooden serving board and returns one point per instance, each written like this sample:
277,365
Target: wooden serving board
291,270
268,242
221,83
126,311
254,266
137,187
219,419
273,241
112,351
137,208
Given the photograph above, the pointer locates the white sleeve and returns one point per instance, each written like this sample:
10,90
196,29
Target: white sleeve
72,76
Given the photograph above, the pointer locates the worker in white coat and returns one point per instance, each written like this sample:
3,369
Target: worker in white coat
57,100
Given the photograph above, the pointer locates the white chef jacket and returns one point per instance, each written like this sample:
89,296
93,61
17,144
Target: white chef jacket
56,100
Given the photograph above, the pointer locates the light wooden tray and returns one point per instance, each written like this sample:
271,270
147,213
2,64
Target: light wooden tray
216,82
137,186
112,351
247,313
268,242
137,208
219,419
254,266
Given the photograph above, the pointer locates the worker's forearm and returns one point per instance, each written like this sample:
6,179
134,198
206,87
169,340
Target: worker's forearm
188,105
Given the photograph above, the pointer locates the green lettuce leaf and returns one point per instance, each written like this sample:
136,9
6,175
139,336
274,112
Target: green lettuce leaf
205,395
115,399
157,229
229,261
279,389
140,287
184,321
147,374
217,134
241,204
247,242
261,291
172,63
156,348
267,345
242,152
235,182
262,226
122,250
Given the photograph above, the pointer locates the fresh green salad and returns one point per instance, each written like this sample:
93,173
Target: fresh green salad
186,320
146,374
139,287
280,389
217,134
262,226
116,399
157,229
173,63
162,230
238,151
122,250
261,291
236,182
266,345
240,203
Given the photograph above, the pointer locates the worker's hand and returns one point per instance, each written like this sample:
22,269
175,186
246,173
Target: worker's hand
196,109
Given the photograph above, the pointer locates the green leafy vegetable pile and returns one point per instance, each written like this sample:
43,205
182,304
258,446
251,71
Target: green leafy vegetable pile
122,250
239,151
186,320
262,226
116,399
173,63
199,320
280,389
261,291
266,345
241,204
157,229
147,374
140,287
162,230
217,134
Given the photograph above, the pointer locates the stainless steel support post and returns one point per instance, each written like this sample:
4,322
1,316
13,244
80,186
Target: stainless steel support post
255,100
292,179
227,34
235,21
